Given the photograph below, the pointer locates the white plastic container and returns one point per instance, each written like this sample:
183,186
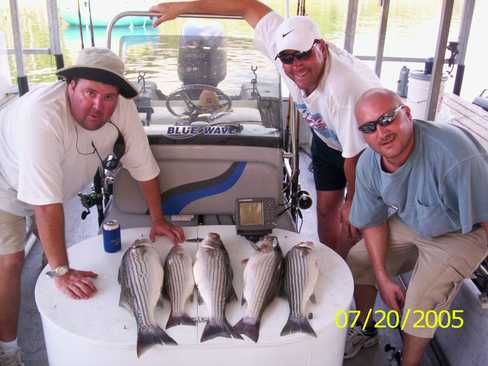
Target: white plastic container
98,332
418,93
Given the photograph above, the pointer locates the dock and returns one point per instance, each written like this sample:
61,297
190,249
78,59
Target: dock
468,116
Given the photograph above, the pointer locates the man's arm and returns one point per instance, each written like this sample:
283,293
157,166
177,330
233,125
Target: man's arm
50,225
251,10
350,173
152,195
484,225
376,239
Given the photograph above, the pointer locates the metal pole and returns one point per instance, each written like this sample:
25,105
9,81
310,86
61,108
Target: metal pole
385,6
149,14
352,15
19,58
54,38
440,53
466,21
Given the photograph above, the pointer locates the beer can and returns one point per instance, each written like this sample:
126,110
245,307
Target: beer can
111,236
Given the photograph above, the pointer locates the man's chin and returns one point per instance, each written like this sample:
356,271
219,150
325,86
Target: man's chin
92,123
302,84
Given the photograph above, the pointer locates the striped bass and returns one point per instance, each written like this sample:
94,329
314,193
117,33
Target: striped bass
263,276
141,279
213,277
178,285
301,273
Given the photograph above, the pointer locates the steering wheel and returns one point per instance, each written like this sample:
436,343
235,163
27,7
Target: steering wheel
199,99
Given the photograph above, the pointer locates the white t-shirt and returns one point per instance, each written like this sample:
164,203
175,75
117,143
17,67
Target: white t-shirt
329,109
47,157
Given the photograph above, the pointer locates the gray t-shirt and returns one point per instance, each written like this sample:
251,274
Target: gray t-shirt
441,188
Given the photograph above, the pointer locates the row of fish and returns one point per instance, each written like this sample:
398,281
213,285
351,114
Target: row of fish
267,273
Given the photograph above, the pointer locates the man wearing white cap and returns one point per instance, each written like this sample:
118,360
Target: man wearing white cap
325,83
52,140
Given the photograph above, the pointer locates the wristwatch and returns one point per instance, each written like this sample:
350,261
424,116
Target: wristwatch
58,271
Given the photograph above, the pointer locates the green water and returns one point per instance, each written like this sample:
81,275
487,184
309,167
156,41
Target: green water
412,32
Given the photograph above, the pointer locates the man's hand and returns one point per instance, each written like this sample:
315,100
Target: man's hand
77,284
391,293
168,11
163,228
350,231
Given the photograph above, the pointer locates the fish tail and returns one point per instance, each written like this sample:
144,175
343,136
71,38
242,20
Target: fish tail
151,335
214,329
248,327
179,319
297,324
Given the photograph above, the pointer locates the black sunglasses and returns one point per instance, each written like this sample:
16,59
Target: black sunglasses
384,120
288,57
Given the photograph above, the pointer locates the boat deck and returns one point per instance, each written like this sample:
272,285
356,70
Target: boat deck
31,337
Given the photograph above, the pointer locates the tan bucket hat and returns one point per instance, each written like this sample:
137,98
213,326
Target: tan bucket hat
102,65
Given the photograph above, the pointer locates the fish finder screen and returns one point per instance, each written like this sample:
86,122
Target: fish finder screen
251,213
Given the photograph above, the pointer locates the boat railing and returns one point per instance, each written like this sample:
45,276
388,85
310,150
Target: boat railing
153,14
19,51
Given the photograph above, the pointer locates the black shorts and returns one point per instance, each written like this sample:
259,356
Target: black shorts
328,166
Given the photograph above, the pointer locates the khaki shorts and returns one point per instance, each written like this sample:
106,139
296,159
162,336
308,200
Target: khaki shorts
12,233
439,266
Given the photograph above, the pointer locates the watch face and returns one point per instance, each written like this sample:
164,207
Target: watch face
61,270
58,271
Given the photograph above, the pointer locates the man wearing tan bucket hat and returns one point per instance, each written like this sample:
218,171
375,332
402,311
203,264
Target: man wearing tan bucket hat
52,140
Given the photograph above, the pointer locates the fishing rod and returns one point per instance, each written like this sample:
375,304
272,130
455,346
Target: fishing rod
79,24
92,33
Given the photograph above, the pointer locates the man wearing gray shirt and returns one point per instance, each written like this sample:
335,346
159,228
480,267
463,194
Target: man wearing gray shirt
421,206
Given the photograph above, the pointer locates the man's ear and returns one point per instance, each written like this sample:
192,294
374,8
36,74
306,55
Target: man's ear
322,46
408,112
72,84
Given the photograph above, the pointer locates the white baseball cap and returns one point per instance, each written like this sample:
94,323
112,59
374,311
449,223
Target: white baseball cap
296,33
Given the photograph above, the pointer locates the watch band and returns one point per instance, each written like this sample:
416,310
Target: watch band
58,271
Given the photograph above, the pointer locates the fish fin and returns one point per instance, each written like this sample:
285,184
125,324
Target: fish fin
313,299
180,319
297,325
149,336
244,261
243,301
282,292
190,298
249,328
199,297
214,329
160,303
164,291
231,295
123,302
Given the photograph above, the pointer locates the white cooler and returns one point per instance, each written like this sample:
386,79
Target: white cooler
98,332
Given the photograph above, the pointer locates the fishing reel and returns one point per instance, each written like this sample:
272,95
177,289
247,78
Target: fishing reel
304,200
111,168
102,187
89,200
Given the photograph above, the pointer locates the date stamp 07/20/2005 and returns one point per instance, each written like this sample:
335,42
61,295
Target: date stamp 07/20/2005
421,319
